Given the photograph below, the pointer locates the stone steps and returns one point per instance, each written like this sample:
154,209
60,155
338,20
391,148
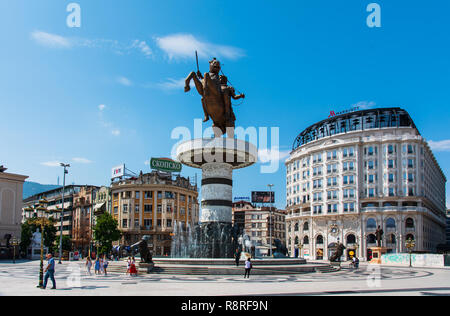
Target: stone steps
180,270
327,269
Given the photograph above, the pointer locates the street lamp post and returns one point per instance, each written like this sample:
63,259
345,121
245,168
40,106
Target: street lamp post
65,166
270,220
40,220
14,242
410,244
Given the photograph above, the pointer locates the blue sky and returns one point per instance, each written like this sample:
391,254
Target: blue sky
109,92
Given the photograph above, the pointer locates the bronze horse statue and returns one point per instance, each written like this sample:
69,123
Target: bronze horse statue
216,98
338,254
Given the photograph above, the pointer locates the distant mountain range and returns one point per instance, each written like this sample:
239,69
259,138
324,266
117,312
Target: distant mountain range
32,188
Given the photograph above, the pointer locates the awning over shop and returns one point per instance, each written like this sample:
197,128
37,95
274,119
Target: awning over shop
100,207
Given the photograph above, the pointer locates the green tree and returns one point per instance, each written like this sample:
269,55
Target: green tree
29,227
25,237
106,232
66,243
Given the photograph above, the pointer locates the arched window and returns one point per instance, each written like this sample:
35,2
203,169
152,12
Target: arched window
296,240
319,240
390,223
306,226
371,239
306,240
409,223
351,239
410,236
296,227
391,239
371,223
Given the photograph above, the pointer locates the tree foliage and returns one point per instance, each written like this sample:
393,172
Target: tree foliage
106,232
30,226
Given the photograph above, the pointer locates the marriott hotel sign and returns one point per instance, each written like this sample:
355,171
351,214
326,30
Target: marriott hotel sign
354,109
165,164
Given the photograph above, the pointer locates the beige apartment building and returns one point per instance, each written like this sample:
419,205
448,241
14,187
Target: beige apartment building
11,190
258,223
153,204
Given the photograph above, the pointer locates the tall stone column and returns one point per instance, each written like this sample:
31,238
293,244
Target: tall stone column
215,237
217,193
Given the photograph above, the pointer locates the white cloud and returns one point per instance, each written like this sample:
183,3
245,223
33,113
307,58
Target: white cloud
172,84
124,81
81,160
53,163
121,48
143,47
442,145
51,40
115,132
266,155
184,45
101,107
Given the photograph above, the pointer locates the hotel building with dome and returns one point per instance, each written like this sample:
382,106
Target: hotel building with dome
353,172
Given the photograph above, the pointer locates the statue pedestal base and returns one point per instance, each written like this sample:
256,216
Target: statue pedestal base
34,253
376,254
217,157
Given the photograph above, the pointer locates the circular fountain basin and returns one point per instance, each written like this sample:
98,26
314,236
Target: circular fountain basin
221,266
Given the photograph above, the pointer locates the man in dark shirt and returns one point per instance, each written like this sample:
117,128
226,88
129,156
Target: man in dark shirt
50,271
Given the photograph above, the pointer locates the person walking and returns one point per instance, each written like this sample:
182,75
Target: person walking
49,272
133,271
356,263
105,265
128,265
102,267
97,266
237,257
88,265
248,267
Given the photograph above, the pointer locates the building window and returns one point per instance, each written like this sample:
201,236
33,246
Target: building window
371,239
349,207
332,208
390,223
317,209
409,223
319,240
351,239
148,208
306,226
371,223
148,194
348,152
124,223
147,223
137,194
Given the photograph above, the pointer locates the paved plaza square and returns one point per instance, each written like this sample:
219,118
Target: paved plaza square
21,279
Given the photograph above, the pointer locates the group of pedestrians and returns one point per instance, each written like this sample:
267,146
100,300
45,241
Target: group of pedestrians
100,265
355,262
131,267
